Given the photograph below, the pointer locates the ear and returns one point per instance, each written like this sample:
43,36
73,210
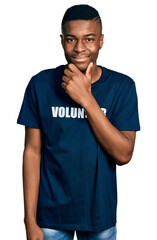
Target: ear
101,41
61,36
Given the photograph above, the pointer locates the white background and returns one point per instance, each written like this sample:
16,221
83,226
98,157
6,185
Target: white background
30,42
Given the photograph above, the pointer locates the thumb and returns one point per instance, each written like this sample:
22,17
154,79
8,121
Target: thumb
89,70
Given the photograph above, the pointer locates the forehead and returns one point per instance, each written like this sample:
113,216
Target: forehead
81,27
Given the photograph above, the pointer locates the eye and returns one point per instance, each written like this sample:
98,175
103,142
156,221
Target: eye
70,40
89,39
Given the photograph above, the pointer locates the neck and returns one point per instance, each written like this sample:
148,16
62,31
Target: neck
96,73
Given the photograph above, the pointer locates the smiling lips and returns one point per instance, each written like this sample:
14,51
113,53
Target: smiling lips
80,58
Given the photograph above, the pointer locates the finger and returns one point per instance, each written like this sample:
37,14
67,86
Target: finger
63,85
68,73
73,68
66,79
89,70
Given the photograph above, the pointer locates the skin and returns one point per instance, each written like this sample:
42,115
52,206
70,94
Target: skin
81,41
31,178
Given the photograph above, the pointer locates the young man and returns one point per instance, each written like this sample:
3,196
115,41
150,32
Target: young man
81,120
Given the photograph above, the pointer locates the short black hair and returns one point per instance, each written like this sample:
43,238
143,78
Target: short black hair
81,12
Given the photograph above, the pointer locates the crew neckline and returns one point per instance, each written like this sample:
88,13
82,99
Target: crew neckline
100,79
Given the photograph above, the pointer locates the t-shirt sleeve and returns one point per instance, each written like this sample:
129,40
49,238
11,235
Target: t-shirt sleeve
29,115
126,117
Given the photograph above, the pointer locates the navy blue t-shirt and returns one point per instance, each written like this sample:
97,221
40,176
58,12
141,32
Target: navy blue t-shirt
78,189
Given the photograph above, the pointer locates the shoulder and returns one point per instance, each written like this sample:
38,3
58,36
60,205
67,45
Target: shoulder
118,79
47,75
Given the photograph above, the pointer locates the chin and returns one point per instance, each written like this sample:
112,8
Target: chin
81,66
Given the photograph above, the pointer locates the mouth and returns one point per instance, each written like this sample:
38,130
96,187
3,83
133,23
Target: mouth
80,59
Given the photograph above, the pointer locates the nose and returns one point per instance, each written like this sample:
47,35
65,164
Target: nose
79,47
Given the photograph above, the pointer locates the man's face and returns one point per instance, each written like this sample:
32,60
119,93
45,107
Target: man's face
81,41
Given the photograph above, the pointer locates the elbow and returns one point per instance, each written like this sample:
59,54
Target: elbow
124,159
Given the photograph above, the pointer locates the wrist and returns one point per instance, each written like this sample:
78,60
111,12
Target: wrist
29,220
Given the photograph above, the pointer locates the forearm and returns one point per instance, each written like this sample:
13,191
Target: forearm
115,143
31,178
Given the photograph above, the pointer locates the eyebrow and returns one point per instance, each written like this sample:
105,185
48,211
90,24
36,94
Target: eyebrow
87,35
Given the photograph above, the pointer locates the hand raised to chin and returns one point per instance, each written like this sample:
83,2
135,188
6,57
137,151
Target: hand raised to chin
76,84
